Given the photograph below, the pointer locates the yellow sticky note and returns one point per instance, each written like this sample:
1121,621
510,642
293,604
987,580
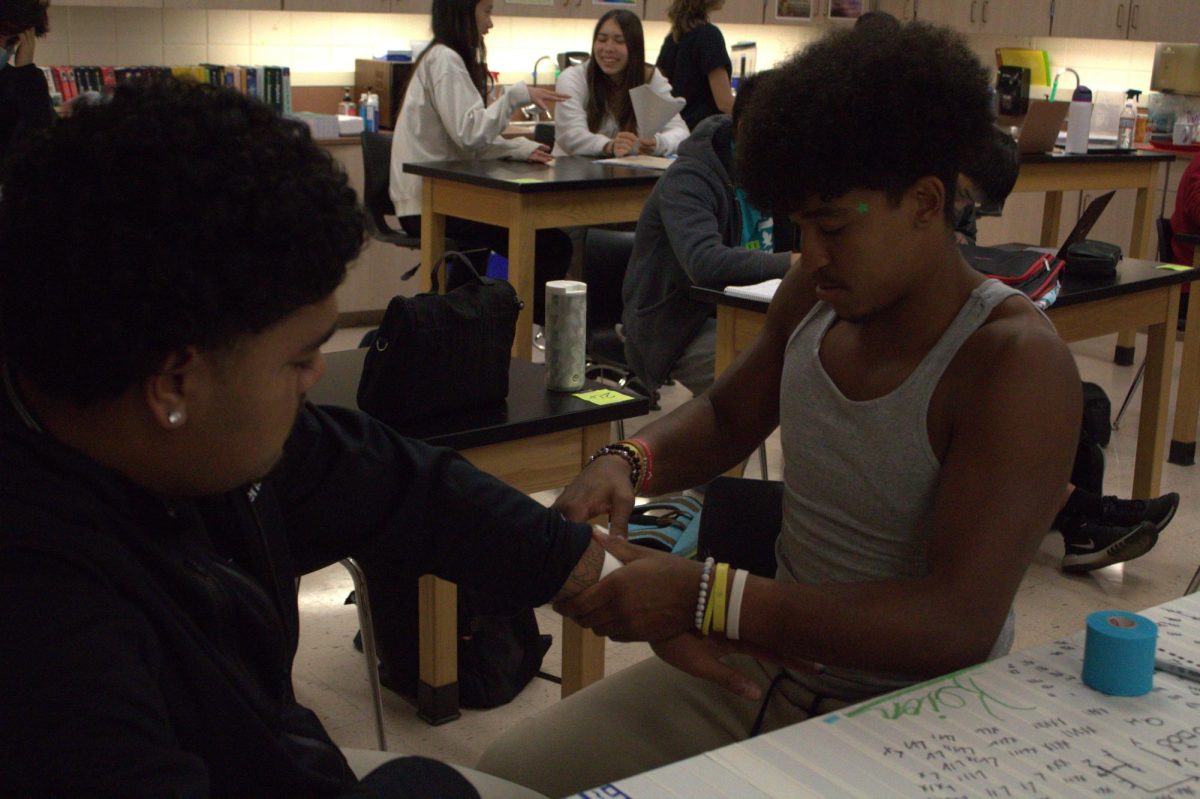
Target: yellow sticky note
1175,267
603,396
525,180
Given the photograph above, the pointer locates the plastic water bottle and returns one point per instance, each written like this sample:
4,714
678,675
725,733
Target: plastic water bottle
1079,120
346,106
1128,122
368,107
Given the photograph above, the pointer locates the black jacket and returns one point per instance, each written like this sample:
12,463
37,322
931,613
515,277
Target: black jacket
147,645
24,105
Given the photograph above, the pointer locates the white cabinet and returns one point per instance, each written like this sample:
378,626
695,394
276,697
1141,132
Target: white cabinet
904,10
1145,20
360,6
237,5
1165,21
748,12
1004,17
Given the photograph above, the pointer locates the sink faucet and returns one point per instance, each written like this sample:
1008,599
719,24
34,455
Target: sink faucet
538,63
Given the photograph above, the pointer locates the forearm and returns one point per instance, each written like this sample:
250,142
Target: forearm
920,627
586,572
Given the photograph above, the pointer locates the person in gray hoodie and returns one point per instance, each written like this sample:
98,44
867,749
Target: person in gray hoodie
695,229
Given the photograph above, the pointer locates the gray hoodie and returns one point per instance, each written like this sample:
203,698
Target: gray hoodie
689,233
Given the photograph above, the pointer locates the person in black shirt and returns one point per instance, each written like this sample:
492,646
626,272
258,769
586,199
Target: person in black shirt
694,59
165,480
24,95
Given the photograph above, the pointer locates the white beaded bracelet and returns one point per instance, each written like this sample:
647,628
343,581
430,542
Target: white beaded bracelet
733,619
702,599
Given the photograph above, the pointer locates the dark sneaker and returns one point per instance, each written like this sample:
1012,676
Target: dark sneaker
1128,512
1093,546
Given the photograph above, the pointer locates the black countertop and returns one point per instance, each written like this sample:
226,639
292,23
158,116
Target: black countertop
530,409
567,173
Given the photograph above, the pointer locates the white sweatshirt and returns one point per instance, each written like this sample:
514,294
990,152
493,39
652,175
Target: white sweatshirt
571,134
444,119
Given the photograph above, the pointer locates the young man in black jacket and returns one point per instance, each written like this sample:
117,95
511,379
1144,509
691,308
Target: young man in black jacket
164,479
24,96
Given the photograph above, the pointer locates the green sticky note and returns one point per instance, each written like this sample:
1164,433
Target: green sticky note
1175,267
603,396
525,180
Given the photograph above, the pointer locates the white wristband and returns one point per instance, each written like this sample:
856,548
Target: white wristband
733,617
611,564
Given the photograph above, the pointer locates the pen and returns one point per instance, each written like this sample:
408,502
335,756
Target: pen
1192,675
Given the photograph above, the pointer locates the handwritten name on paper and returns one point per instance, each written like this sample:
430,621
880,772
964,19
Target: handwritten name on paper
955,691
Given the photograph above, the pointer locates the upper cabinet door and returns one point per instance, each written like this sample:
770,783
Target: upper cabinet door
1091,19
961,15
1014,17
903,10
362,6
747,12
1165,20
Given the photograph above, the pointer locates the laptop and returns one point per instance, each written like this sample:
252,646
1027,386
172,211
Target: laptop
1033,270
1040,125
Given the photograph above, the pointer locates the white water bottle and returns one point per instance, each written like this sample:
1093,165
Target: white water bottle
566,334
1079,121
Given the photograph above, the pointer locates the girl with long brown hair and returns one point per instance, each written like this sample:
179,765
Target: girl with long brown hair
598,118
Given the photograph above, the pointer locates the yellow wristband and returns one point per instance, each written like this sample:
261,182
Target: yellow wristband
718,597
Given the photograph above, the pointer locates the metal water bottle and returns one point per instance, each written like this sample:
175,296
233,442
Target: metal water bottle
566,334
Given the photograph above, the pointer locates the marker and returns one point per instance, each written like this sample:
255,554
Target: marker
1189,674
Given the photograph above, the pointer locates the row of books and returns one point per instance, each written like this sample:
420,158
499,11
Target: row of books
271,84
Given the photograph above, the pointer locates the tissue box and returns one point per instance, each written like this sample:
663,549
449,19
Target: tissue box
349,126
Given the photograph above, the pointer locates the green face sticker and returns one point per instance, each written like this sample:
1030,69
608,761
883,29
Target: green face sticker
861,208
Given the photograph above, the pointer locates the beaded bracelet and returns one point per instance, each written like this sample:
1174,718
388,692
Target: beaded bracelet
702,598
629,454
641,444
643,457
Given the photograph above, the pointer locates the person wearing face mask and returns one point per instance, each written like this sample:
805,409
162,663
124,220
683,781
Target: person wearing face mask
24,96
444,116
598,118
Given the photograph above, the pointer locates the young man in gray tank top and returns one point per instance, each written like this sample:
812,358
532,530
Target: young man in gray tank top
917,485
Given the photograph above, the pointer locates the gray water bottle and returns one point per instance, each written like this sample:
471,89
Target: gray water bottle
566,334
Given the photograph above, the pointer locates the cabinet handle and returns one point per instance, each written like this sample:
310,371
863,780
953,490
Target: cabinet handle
1120,13
983,11
973,11
1133,15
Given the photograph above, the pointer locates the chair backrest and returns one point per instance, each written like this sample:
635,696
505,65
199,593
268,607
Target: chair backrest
377,203
605,258
1165,253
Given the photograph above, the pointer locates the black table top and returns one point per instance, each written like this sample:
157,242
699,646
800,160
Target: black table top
1058,156
1133,275
567,173
530,410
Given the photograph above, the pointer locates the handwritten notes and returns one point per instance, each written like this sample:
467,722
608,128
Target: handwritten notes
602,396
1020,726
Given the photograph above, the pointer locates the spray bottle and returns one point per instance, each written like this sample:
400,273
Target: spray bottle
1128,122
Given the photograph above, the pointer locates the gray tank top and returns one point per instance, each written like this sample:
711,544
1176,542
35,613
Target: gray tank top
861,510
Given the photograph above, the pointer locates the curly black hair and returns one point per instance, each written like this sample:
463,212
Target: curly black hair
21,15
866,108
176,215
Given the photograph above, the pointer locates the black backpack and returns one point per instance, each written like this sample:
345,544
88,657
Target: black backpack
499,646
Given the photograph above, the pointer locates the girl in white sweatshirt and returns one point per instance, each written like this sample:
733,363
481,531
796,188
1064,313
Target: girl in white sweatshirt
598,119
443,117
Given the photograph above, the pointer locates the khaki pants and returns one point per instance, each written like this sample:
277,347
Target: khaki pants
643,717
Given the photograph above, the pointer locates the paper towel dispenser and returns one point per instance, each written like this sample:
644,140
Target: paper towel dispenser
1176,69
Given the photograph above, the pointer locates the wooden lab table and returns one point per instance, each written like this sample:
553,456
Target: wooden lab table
537,440
1139,296
524,198
1054,173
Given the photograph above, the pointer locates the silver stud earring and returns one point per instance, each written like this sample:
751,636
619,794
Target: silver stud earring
175,418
